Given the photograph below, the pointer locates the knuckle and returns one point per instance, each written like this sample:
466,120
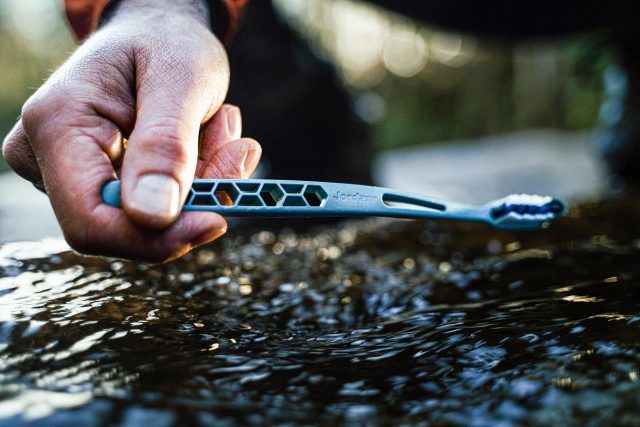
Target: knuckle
144,48
12,154
56,100
17,154
9,151
45,105
227,163
33,111
227,169
167,141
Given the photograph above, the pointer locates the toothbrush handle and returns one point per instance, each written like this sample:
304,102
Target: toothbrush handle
290,199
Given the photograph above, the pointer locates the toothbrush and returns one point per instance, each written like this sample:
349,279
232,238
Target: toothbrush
308,199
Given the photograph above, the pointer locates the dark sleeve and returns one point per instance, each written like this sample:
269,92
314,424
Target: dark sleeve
227,16
510,17
83,15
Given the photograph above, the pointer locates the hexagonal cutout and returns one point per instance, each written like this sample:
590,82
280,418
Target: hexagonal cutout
203,200
226,194
271,194
249,187
295,201
315,195
250,200
202,187
292,188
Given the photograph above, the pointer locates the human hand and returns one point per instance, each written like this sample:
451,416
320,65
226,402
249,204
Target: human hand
154,74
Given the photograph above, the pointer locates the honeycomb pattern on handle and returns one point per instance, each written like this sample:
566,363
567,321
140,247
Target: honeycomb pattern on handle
248,194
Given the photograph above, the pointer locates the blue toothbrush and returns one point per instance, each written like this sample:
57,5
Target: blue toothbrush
307,199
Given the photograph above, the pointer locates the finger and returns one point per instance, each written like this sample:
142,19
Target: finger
81,143
18,154
224,127
237,159
120,237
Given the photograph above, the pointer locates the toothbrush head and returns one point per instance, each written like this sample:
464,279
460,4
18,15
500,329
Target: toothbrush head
525,211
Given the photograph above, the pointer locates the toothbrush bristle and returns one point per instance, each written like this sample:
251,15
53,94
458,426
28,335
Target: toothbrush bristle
526,210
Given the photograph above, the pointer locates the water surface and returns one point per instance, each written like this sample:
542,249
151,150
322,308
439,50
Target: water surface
366,323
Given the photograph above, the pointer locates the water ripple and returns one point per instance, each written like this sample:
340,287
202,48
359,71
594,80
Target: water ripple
366,323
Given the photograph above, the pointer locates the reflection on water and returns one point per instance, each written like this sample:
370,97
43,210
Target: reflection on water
364,323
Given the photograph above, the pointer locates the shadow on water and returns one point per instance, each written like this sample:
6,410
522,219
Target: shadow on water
368,323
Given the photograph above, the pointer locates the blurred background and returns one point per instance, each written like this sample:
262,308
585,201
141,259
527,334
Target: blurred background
415,85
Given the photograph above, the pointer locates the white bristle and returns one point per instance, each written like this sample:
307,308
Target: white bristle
527,199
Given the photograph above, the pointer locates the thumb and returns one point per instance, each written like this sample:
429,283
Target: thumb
162,153
157,171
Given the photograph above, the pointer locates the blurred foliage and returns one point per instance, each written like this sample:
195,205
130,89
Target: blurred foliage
441,87
447,102
485,96
445,85
33,41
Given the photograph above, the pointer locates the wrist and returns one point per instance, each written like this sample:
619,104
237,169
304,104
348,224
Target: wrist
123,9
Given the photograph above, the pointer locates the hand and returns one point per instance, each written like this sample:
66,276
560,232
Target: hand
154,74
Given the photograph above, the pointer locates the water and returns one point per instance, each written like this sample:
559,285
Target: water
368,323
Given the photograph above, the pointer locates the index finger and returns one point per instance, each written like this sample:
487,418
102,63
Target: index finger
75,165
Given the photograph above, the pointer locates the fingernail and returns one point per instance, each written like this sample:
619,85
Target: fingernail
157,196
251,161
234,123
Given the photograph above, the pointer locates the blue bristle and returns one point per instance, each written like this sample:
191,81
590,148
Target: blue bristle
554,206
